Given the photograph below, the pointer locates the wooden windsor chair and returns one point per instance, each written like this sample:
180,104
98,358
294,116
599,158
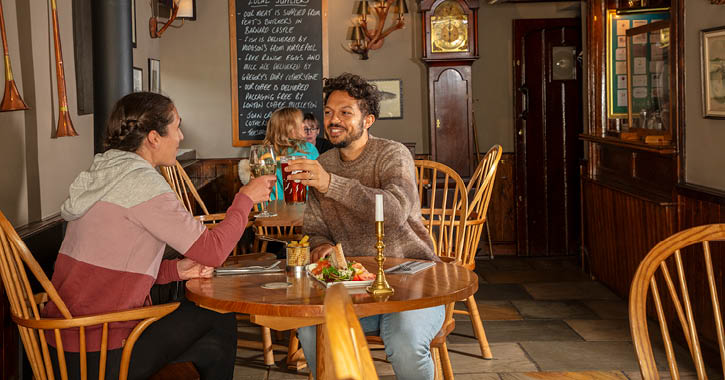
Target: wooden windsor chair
25,309
480,188
348,355
680,251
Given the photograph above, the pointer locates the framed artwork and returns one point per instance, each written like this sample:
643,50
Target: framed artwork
713,72
133,23
391,98
154,75
137,79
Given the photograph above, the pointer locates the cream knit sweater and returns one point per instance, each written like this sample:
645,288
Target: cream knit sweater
346,213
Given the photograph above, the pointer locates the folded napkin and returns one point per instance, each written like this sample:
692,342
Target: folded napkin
410,267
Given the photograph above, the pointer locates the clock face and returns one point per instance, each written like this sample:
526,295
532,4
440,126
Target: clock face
449,28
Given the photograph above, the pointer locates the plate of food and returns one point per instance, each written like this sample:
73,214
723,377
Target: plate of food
335,269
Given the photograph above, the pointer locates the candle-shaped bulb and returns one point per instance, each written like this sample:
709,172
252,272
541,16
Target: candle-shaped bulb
378,207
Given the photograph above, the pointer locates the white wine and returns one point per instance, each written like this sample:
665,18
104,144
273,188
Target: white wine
265,169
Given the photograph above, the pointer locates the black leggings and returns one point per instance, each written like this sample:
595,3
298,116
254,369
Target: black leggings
189,334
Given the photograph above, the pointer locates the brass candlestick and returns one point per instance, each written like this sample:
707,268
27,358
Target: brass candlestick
380,287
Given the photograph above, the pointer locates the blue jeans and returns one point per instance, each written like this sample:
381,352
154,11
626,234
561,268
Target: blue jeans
407,336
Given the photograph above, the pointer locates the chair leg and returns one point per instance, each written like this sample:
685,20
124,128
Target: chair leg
490,245
435,354
478,328
295,356
445,362
267,346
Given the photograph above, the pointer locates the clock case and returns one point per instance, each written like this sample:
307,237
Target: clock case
450,93
470,8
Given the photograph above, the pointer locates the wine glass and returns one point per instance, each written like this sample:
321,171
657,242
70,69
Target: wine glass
263,162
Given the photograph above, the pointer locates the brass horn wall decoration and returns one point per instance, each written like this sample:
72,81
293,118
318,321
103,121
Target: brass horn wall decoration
11,99
65,125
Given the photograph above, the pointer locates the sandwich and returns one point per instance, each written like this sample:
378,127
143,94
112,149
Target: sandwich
337,257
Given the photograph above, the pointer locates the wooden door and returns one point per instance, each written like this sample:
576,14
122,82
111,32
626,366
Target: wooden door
547,106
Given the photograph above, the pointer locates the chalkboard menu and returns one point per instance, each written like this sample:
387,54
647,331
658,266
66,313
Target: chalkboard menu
276,61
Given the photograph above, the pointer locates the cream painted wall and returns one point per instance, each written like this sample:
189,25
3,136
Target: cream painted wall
146,47
195,73
704,155
13,182
51,163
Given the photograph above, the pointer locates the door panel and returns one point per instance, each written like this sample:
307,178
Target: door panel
451,121
548,119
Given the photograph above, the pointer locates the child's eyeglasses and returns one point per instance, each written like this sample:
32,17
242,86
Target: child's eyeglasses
310,130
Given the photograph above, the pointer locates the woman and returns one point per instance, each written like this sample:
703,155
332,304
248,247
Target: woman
121,214
286,134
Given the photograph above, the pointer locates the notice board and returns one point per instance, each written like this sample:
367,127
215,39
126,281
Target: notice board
617,26
276,59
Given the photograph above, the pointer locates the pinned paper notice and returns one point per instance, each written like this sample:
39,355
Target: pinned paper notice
620,68
622,26
639,92
639,80
621,98
636,23
640,39
621,81
621,54
621,40
640,65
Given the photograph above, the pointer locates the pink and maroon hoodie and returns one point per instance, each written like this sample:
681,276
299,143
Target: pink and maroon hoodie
121,214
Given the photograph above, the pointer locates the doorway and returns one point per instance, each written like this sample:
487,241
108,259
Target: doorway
547,107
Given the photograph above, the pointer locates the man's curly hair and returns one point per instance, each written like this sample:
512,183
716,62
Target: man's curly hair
367,94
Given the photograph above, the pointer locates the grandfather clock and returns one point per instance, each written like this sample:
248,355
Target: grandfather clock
450,46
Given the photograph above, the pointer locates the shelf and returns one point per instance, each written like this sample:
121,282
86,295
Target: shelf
638,145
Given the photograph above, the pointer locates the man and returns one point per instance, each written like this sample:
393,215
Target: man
340,209
312,129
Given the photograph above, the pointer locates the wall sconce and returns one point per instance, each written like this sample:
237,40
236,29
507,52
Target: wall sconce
362,39
177,9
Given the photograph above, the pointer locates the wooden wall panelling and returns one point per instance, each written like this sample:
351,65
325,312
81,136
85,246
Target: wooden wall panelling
501,210
620,230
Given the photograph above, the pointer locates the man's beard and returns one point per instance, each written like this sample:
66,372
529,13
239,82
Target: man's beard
353,136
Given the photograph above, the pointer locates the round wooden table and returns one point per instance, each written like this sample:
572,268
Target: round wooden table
302,304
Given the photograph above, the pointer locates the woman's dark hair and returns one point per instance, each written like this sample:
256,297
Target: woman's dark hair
134,116
367,94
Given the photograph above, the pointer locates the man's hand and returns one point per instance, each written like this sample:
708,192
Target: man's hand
320,251
313,174
258,188
189,269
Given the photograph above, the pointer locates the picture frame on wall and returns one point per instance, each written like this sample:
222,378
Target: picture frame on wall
133,23
712,49
391,98
137,79
154,75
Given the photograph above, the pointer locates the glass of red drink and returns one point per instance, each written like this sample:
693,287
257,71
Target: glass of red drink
294,190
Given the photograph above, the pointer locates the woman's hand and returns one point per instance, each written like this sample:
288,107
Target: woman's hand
258,188
313,174
189,269
320,251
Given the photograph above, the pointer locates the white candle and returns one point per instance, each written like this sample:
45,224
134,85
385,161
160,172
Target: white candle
378,207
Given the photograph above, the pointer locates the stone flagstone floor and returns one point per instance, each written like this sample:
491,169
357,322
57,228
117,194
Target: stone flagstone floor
544,318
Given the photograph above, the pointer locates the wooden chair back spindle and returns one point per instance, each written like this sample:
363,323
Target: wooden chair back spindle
349,356
676,296
14,258
181,184
479,189
444,205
